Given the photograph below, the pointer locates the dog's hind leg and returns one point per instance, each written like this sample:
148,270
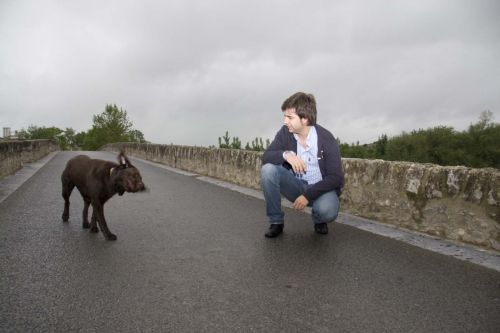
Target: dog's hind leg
93,223
67,187
85,213
98,210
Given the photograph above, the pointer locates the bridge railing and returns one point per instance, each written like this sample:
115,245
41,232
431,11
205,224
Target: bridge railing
455,202
15,153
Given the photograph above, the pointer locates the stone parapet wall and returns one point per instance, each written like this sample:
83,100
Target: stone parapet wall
455,203
238,166
14,154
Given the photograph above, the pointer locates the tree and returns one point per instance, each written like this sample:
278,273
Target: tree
482,142
80,139
34,132
65,138
224,144
257,145
136,136
235,144
110,126
380,146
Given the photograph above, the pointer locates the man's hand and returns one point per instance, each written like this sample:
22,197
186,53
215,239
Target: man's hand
298,165
300,203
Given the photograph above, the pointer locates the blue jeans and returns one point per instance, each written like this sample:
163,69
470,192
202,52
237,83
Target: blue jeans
276,180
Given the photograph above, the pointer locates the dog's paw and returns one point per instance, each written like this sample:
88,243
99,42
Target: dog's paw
111,237
85,225
94,230
65,217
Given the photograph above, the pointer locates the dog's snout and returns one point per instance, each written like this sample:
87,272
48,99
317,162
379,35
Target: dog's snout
137,187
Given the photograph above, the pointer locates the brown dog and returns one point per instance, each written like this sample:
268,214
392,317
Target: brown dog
97,181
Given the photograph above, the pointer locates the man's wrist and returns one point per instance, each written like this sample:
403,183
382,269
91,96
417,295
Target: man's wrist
287,152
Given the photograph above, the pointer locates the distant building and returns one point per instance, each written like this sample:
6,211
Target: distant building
6,132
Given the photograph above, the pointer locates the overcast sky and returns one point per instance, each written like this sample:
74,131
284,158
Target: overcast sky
186,71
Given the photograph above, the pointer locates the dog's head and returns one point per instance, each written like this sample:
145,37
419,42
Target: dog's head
126,177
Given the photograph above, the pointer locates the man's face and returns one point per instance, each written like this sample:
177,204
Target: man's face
293,122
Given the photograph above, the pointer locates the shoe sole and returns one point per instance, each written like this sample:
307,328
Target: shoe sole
272,236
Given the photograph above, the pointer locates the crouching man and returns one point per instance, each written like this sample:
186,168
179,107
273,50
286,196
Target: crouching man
302,164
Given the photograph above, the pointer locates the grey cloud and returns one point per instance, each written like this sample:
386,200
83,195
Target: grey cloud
186,71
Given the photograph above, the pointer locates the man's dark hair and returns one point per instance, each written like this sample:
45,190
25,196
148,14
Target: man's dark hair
304,105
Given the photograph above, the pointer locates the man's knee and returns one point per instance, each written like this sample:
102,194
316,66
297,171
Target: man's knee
326,210
326,214
331,214
268,171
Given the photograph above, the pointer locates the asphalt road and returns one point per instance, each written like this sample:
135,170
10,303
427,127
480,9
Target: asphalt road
191,257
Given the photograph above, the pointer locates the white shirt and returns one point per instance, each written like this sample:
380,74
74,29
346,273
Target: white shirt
309,155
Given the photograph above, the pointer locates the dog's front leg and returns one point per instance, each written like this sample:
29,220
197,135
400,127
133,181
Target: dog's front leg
99,212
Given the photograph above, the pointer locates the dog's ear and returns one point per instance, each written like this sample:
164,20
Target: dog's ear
123,160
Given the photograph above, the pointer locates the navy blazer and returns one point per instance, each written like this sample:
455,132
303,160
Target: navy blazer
329,161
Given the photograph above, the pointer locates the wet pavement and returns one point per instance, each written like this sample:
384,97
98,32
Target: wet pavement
191,257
